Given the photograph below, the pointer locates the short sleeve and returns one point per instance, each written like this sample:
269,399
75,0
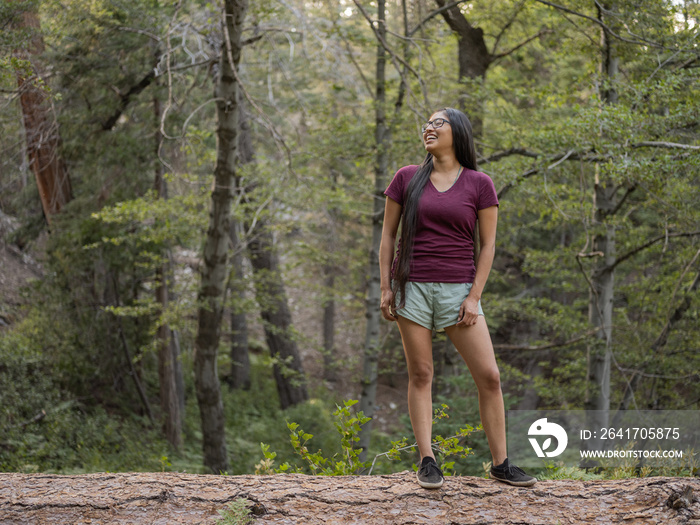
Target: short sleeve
397,187
487,193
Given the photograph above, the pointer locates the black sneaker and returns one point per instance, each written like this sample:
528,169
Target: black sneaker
508,473
429,474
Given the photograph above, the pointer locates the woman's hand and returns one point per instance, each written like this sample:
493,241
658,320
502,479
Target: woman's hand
468,312
387,306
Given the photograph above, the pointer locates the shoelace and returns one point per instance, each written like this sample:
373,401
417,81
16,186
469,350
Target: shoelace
436,468
427,468
512,469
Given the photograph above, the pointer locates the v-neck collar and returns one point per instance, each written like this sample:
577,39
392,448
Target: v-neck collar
461,170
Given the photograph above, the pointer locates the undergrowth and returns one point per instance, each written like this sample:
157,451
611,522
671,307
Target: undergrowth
47,427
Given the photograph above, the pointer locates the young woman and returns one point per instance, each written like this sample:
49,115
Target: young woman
435,283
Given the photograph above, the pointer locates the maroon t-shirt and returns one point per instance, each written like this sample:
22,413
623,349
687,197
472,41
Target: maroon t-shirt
443,250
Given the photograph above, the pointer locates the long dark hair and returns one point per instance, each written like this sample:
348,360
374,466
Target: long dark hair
463,144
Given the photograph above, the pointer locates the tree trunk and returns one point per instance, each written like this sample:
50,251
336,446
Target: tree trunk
167,369
277,320
178,498
270,293
329,371
239,377
167,358
368,395
473,58
179,377
214,267
600,306
329,272
41,128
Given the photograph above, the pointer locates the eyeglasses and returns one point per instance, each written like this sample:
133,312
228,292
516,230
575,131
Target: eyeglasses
437,123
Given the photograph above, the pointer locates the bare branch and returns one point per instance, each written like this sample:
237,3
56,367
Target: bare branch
674,55
507,153
639,42
507,25
150,35
169,102
357,67
622,200
432,15
648,244
558,159
583,156
251,40
41,415
507,186
125,98
259,33
184,67
394,58
279,141
670,145
521,44
531,348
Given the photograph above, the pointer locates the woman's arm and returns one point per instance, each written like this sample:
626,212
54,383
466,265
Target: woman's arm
488,218
392,216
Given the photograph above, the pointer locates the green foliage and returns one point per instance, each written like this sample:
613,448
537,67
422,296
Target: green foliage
315,192
44,428
557,471
452,447
254,416
345,463
235,513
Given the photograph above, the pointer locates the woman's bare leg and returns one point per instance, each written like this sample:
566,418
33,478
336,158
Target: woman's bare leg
418,348
474,345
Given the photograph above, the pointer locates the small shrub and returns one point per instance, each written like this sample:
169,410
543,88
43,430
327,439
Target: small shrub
235,513
344,463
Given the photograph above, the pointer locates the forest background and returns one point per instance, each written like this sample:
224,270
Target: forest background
191,196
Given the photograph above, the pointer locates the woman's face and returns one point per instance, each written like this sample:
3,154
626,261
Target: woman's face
439,139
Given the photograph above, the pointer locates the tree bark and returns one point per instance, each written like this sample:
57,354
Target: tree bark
167,369
473,56
277,319
600,308
178,498
167,355
270,295
214,267
239,377
329,370
40,126
329,272
382,138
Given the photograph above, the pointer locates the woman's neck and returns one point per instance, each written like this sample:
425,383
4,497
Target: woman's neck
445,163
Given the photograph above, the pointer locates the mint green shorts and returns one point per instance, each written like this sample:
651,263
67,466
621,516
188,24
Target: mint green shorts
435,305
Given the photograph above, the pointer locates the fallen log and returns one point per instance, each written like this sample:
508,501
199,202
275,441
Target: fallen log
174,498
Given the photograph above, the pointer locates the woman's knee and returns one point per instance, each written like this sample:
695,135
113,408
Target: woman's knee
421,375
489,381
